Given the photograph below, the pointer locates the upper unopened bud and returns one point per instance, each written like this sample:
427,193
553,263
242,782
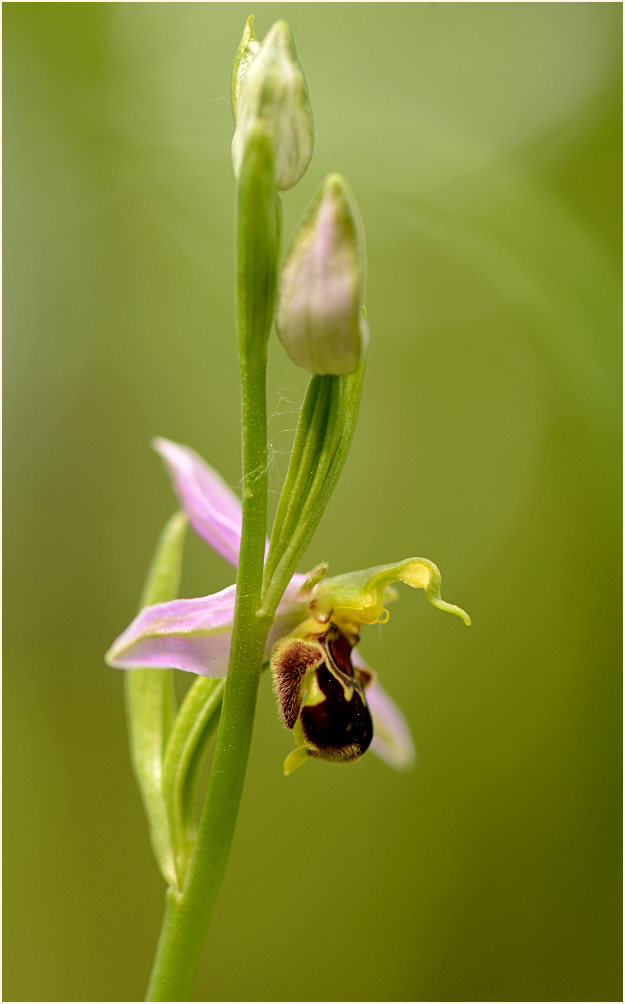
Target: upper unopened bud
321,319
269,85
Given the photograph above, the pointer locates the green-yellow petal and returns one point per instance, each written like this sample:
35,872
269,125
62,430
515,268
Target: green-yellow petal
360,597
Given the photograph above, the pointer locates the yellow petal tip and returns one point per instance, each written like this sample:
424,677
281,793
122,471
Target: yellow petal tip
294,760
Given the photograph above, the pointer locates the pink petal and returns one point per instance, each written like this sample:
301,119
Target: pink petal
392,740
213,509
194,635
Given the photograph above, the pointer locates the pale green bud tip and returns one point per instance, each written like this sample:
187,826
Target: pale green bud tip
248,49
321,319
269,86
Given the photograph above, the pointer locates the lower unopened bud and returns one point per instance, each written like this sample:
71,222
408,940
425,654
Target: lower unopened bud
321,319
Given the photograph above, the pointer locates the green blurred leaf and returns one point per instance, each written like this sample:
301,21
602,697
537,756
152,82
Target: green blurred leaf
151,703
193,729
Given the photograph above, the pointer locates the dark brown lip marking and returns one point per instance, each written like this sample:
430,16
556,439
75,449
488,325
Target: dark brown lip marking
338,728
340,650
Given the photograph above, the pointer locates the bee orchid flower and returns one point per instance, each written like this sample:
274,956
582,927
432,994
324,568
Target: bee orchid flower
327,695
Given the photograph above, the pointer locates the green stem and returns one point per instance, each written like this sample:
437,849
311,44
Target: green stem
188,913
189,910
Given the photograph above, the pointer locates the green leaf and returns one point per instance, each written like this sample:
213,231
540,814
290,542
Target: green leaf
150,700
192,731
322,441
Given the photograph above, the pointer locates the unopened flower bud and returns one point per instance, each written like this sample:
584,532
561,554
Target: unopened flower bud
269,85
321,319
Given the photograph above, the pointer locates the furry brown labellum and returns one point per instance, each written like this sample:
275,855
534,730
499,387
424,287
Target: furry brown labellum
321,696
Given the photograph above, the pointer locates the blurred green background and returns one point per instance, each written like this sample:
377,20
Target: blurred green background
483,144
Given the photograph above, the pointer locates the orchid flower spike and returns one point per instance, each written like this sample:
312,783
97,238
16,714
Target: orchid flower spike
327,695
